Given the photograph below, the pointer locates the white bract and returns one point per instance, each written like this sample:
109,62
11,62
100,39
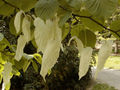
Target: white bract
104,53
17,21
85,58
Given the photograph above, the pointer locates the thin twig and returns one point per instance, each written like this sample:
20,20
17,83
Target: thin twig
115,32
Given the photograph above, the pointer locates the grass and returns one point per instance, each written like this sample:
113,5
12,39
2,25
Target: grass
113,62
103,87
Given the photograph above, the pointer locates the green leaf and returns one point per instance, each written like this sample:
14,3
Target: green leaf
115,25
12,27
101,8
38,58
7,75
76,29
46,9
24,5
88,38
3,44
64,18
35,66
93,26
84,61
1,36
5,9
75,4
17,21
64,32
19,64
26,65
104,52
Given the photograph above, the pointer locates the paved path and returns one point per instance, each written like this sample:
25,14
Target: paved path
110,77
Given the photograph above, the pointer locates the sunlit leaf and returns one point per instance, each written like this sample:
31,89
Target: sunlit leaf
5,9
101,8
24,5
88,38
46,9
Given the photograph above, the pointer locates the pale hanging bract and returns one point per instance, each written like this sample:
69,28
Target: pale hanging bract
7,75
48,37
104,53
78,41
85,59
50,57
43,33
26,24
26,37
17,21
20,46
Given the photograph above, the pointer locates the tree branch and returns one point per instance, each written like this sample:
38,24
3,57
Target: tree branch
10,4
115,32
89,17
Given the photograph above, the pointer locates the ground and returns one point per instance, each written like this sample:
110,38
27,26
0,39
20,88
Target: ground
109,76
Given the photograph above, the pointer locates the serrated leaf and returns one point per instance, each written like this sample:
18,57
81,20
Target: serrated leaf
24,5
85,59
64,18
101,8
104,53
93,26
76,29
17,21
20,46
6,75
46,9
88,38
26,28
75,4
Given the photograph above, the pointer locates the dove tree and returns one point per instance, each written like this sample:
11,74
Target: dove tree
51,26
